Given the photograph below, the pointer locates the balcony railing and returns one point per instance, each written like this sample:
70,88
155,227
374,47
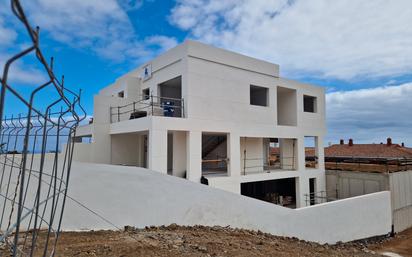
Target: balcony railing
273,163
149,106
320,197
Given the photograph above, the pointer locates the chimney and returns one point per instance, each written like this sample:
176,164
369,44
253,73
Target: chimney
350,142
341,142
403,144
389,141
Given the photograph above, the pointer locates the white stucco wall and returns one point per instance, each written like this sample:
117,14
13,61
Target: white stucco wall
139,197
215,86
82,152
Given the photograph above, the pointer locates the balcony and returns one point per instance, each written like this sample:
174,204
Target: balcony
148,106
274,163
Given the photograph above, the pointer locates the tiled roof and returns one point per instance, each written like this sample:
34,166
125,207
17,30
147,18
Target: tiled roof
360,150
368,150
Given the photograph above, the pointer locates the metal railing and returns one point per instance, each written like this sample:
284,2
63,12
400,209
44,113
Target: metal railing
369,164
271,164
34,176
215,165
320,197
151,106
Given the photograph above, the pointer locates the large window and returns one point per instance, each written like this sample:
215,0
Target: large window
309,103
258,96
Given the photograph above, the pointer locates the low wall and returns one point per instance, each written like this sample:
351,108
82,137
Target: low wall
344,184
139,197
400,184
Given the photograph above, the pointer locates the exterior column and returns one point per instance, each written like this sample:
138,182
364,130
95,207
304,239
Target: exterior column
320,153
302,189
234,155
194,155
157,152
179,153
300,150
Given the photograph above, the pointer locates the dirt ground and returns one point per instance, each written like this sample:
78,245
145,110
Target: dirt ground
400,244
176,240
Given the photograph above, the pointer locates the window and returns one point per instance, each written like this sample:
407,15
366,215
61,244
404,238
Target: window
120,94
258,96
146,93
311,152
309,103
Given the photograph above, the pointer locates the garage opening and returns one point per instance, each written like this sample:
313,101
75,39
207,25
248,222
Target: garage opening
280,191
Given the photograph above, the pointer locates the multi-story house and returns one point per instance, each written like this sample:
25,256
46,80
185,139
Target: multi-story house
211,116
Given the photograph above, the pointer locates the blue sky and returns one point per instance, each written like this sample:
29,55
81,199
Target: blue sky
361,51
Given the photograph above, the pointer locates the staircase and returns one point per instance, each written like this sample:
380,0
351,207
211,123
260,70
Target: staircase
212,143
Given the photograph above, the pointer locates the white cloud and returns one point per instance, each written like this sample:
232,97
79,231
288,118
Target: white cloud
19,72
344,39
370,115
7,36
100,26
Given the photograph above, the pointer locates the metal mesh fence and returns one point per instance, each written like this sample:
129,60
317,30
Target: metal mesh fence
35,153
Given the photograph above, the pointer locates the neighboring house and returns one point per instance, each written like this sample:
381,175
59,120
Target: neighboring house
210,115
358,169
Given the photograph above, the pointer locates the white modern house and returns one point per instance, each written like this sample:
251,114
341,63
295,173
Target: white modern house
214,117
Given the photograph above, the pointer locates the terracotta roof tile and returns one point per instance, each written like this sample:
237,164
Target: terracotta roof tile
368,150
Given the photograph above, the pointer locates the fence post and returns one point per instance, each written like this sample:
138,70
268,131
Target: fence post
111,113
134,107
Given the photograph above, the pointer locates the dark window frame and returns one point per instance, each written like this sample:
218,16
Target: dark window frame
253,89
310,104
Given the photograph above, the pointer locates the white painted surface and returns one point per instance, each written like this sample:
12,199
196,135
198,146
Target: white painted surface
82,152
216,92
139,197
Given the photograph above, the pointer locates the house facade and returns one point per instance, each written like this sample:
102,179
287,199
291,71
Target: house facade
210,116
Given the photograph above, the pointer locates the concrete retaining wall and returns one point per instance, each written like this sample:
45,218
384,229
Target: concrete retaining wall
139,197
344,184
400,184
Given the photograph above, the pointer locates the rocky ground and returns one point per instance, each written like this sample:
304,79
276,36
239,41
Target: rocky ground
176,240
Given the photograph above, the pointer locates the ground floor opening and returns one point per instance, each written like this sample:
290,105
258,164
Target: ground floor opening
130,149
279,191
214,153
